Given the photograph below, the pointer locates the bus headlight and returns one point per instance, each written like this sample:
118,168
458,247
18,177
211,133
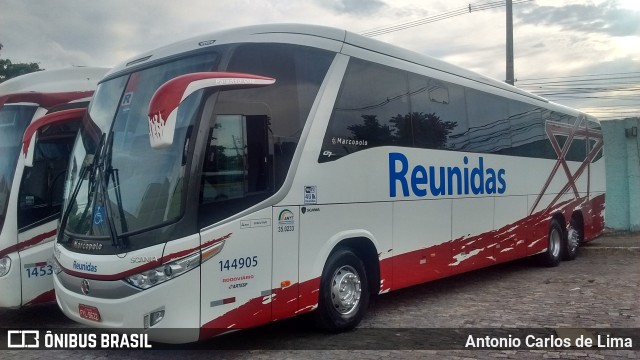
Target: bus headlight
5,266
168,271
57,269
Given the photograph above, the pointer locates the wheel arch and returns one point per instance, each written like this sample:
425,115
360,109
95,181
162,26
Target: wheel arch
364,245
563,223
577,214
367,252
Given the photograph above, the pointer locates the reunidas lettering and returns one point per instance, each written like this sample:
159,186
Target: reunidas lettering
421,180
85,267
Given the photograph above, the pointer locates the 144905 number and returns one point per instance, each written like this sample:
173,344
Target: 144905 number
238,263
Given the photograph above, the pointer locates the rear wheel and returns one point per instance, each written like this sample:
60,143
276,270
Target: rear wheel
575,236
551,257
344,292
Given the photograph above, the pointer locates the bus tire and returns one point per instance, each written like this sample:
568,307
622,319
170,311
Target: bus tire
344,292
551,257
575,236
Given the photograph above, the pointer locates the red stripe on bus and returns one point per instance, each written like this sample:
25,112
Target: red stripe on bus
406,269
47,296
45,100
148,266
58,117
183,253
28,243
112,277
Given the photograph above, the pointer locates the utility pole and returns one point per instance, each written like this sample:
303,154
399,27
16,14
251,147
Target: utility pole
510,76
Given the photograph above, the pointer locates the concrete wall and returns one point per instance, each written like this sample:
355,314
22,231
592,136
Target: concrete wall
622,155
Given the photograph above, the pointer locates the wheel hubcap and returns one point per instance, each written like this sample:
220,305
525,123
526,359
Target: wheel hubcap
554,243
345,290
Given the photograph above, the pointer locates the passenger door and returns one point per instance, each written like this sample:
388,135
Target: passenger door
236,283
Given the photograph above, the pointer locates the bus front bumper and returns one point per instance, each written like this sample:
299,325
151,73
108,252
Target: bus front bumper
176,303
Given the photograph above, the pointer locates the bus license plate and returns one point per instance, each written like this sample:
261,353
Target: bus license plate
89,312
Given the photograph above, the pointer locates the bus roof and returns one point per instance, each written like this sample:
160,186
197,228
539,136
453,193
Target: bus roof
55,81
311,35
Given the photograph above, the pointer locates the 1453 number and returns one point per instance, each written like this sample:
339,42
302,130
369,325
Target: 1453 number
43,270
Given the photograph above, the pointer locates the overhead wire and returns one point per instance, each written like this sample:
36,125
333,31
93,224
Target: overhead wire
442,16
618,86
618,92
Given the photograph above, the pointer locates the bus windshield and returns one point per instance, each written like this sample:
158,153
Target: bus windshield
13,121
250,134
143,185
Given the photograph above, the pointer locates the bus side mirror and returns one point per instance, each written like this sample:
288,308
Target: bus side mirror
31,133
163,107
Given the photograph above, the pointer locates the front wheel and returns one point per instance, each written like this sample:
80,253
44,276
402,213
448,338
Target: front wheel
551,257
344,292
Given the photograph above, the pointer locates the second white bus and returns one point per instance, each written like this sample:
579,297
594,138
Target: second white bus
255,174
40,115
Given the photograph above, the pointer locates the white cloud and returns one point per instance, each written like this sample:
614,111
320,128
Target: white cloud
551,38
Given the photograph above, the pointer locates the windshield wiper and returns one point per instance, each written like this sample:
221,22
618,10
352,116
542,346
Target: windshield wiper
110,171
85,168
115,177
113,232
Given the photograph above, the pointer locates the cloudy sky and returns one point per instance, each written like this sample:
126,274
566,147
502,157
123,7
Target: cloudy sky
570,44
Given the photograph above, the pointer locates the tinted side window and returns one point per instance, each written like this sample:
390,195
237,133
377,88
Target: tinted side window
577,150
13,121
528,136
253,133
382,106
595,128
438,114
372,110
299,72
42,185
488,122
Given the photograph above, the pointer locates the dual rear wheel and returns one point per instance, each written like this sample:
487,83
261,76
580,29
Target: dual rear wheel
562,245
344,285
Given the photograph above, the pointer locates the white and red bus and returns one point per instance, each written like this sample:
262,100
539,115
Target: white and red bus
255,174
39,120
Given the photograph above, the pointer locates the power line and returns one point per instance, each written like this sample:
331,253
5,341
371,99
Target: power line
615,106
607,96
574,97
446,15
632,111
405,22
570,88
580,81
582,91
575,76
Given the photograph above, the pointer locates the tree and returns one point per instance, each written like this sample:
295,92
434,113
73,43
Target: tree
372,131
429,131
412,129
10,70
